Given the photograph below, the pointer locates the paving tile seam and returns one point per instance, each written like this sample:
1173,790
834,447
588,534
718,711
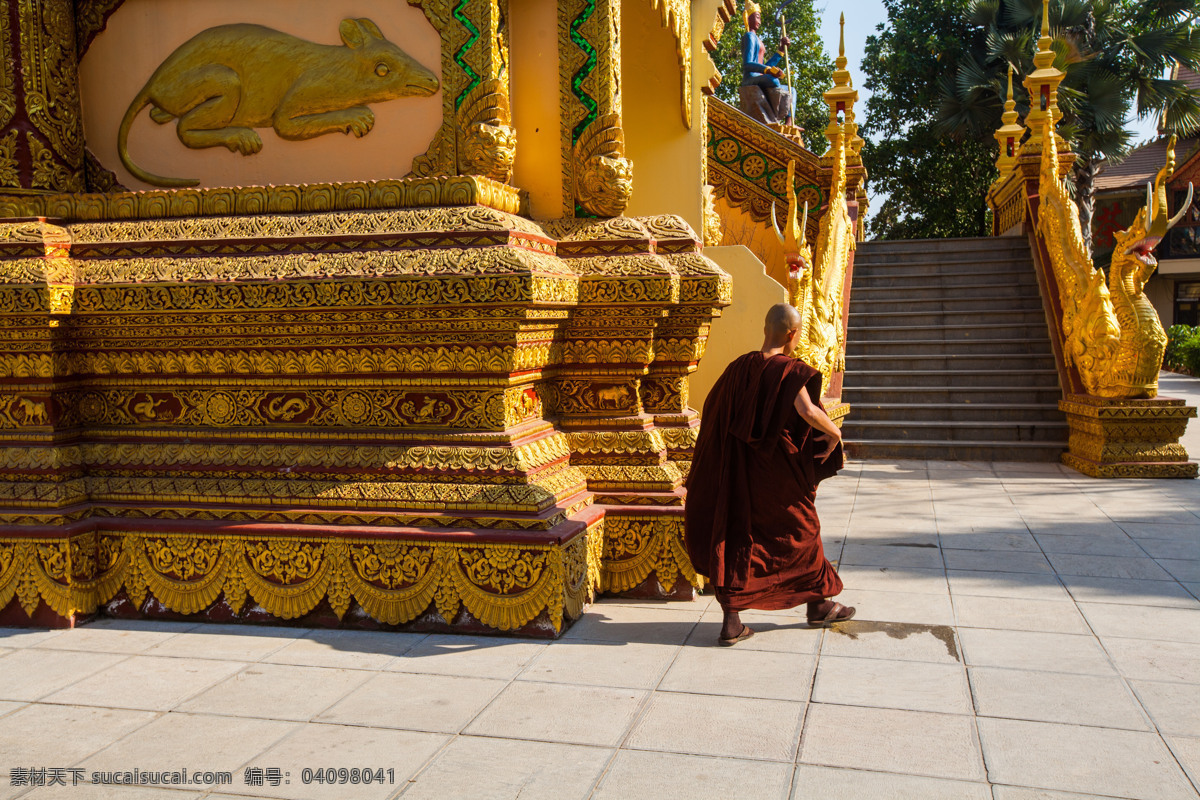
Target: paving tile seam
1125,681
1194,781
78,679
649,749
1149,729
882,769
643,708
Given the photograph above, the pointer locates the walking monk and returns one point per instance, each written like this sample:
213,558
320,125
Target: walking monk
765,442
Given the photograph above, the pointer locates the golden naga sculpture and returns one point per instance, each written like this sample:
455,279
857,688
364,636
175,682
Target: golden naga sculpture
604,177
489,143
228,80
1112,333
815,288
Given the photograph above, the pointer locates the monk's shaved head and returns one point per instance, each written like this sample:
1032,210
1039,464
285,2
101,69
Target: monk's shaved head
782,319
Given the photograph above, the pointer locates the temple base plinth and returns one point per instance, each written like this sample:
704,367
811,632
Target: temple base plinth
1128,438
645,555
531,583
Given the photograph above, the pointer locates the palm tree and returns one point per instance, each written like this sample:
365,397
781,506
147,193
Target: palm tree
1115,54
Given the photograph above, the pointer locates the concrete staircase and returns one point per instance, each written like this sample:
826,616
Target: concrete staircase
948,354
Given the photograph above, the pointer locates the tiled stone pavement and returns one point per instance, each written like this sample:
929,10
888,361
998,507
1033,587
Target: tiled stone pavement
1023,633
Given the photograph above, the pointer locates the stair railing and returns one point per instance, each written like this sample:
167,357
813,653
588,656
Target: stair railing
820,288
1107,337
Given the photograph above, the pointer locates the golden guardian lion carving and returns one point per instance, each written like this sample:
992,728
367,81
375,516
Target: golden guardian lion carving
1112,333
604,177
489,143
228,80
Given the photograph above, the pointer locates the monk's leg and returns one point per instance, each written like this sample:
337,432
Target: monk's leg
732,625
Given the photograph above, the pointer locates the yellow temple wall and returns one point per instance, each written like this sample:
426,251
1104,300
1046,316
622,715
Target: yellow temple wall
141,34
538,169
739,329
667,156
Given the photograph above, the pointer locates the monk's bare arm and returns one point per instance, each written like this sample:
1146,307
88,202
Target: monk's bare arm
815,416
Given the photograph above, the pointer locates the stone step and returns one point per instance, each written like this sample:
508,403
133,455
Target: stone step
954,361
955,431
966,280
948,318
934,271
985,244
929,291
954,378
896,333
933,347
955,451
975,264
958,412
948,354
925,395
968,303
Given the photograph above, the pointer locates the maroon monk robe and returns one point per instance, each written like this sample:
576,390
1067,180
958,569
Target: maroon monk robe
751,517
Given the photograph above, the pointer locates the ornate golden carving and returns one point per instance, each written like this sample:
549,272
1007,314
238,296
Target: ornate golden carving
285,362
825,347
677,18
712,220
488,143
505,586
49,69
226,81
1128,438
636,547
603,176
457,330
747,166
815,288
48,172
597,174
438,226
465,190
9,168
90,18
8,92
1112,334
270,458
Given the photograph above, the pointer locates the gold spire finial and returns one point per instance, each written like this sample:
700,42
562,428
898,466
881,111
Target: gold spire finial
842,37
1010,133
1042,85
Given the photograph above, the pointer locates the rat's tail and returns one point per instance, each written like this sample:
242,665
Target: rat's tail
141,101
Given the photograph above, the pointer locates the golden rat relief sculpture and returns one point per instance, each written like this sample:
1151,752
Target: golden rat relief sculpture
228,80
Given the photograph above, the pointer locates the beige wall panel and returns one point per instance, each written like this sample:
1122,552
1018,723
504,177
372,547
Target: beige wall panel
738,227
143,33
739,329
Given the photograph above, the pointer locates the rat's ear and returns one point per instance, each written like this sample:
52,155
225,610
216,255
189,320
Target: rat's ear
370,27
352,33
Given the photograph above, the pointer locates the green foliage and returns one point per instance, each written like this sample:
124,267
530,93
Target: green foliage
1183,349
812,68
1114,54
935,187
938,68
